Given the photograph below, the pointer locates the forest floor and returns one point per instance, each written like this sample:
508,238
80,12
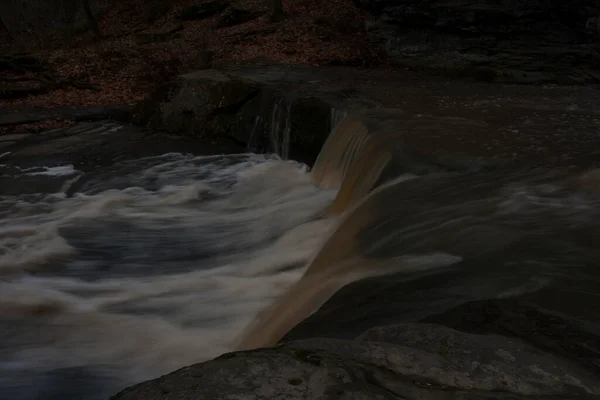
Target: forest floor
141,48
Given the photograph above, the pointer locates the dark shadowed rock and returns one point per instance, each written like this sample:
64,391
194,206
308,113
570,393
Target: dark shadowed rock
237,16
203,10
555,332
204,59
513,41
155,36
515,366
75,114
254,113
205,104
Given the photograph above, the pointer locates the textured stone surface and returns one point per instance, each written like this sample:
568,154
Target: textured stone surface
409,361
253,112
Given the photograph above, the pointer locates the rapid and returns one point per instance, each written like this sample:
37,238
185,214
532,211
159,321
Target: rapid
150,265
123,271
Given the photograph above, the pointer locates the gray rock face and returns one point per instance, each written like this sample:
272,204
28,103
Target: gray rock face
254,111
486,362
514,41
406,361
290,110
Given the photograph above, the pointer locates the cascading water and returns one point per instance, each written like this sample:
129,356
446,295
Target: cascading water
435,221
152,264
119,273
280,127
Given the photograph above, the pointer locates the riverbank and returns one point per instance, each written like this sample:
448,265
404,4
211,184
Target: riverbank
139,50
146,45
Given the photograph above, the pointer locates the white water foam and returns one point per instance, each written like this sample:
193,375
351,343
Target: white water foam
61,170
146,304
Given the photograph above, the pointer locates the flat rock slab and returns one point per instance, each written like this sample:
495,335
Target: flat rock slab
409,361
292,109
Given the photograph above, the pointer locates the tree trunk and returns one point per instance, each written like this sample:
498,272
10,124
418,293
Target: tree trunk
93,23
277,13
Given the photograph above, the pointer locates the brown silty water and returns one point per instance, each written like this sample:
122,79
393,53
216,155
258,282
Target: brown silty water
125,271
509,180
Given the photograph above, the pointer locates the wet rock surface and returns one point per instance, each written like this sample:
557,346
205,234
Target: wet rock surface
291,110
255,113
510,41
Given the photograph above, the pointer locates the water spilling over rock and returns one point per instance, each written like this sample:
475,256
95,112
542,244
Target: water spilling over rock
443,247
462,285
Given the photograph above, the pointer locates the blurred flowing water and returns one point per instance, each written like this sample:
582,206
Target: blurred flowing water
120,267
132,270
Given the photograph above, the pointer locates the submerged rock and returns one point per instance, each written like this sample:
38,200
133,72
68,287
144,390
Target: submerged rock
406,361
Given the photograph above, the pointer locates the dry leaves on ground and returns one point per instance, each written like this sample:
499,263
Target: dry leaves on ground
313,32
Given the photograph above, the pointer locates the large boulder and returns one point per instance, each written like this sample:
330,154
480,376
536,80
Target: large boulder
248,107
405,361
515,41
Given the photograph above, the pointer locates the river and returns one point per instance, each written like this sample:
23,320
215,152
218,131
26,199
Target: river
120,266
152,264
